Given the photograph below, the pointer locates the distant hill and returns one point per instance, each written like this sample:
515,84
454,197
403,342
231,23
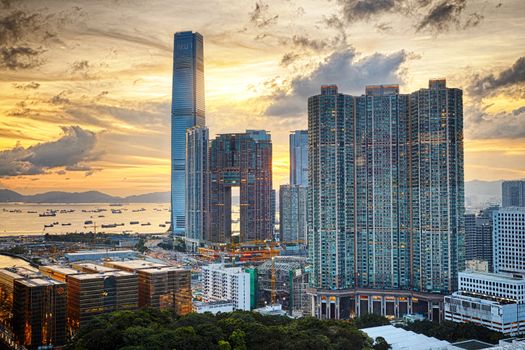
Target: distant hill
82,197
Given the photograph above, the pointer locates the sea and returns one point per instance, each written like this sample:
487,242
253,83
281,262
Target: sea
38,219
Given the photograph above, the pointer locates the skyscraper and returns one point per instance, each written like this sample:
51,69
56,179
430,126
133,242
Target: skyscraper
292,208
385,203
197,185
509,239
478,236
243,160
187,111
299,157
513,193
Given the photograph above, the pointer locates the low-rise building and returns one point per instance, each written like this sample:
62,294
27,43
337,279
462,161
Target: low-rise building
213,306
495,301
100,255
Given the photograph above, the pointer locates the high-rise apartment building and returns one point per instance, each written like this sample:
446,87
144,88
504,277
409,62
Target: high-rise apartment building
509,239
385,202
292,208
513,193
187,111
197,185
299,158
241,160
478,236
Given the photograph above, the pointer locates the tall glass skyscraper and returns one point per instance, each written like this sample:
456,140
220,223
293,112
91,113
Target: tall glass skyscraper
299,158
197,185
187,111
385,203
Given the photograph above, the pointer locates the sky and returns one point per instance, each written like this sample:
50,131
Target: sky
85,86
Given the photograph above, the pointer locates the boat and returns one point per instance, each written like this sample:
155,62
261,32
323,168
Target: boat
134,223
31,212
67,224
167,222
46,214
116,205
88,222
146,224
101,216
48,226
162,225
116,211
109,225
121,224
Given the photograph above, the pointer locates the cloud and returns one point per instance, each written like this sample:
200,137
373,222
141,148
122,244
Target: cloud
260,16
364,9
60,99
342,68
432,15
482,86
14,58
289,58
79,66
74,147
29,86
495,126
442,14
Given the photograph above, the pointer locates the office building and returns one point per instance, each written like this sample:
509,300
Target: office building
35,306
187,111
93,294
492,300
197,185
509,239
299,157
513,193
245,161
386,211
292,208
159,286
478,236
231,284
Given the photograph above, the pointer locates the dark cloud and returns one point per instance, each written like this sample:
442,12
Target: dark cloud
442,14
364,9
341,68
60,99
482,125
80,66
383,27
305,42
289,58
260,16
430,15
482,86
74,147
14,58
29,86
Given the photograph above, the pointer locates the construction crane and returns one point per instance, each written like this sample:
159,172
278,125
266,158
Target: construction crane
274,278
93,226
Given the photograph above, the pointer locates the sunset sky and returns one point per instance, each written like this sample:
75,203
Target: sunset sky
85,86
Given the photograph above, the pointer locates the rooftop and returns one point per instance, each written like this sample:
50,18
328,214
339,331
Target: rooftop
401,339
133,264
63,270
90,267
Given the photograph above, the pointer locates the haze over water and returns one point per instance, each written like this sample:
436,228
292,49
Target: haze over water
25,219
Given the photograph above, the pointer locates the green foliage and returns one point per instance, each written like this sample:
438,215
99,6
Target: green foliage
370,320
381,344
141,245
454,332
239,330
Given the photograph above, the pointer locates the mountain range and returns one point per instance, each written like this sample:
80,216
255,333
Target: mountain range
477,195
81,197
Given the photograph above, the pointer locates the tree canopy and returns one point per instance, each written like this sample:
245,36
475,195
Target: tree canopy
240,330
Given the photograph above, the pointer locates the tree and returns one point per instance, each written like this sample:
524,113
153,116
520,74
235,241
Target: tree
381,344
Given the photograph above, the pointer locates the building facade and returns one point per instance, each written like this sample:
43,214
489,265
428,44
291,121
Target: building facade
299,157
244,161
292,209
385,200
231,284
495,301
197,185
478,236
187,111
513,193
509,239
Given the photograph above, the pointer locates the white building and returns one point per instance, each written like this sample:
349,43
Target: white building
222,283
509,239
400,339
213,306
495,301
